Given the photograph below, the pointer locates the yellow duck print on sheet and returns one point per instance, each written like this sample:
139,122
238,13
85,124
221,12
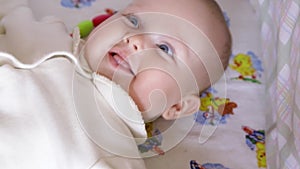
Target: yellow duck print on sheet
214,110
261,155
242,63
248,66
222,105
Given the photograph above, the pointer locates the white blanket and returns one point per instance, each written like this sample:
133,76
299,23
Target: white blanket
27,38
39,127
39,124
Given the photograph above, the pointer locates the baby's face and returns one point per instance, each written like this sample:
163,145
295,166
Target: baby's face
151,69
152,63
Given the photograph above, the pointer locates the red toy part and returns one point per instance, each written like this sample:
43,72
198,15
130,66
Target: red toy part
100,18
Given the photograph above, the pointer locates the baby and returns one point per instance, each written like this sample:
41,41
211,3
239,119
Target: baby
160,53
163,53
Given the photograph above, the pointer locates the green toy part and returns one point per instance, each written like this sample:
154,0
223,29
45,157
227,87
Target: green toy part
85,27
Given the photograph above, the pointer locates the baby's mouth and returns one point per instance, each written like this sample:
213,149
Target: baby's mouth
120,61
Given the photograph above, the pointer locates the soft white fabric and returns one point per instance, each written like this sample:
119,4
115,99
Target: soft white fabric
27,38
39,119
40,125
122,104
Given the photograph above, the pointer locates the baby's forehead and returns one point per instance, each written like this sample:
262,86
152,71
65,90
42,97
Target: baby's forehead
166,5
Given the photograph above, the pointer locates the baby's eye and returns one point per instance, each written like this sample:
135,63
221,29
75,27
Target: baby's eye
166,48
133,20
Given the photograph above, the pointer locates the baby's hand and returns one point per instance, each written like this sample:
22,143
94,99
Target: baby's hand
28,39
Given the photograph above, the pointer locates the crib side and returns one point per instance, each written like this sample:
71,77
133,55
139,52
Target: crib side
280,32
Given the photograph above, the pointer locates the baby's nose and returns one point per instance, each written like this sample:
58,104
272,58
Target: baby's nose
137,42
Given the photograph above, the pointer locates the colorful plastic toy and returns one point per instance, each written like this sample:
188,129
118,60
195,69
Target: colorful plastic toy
86,26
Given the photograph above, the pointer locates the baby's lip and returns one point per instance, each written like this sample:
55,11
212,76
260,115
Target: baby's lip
120,60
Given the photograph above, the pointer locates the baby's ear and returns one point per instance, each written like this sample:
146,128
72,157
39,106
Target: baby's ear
189,104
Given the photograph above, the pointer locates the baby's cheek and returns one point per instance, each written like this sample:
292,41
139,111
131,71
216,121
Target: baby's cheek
137,90
153,91
141,88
